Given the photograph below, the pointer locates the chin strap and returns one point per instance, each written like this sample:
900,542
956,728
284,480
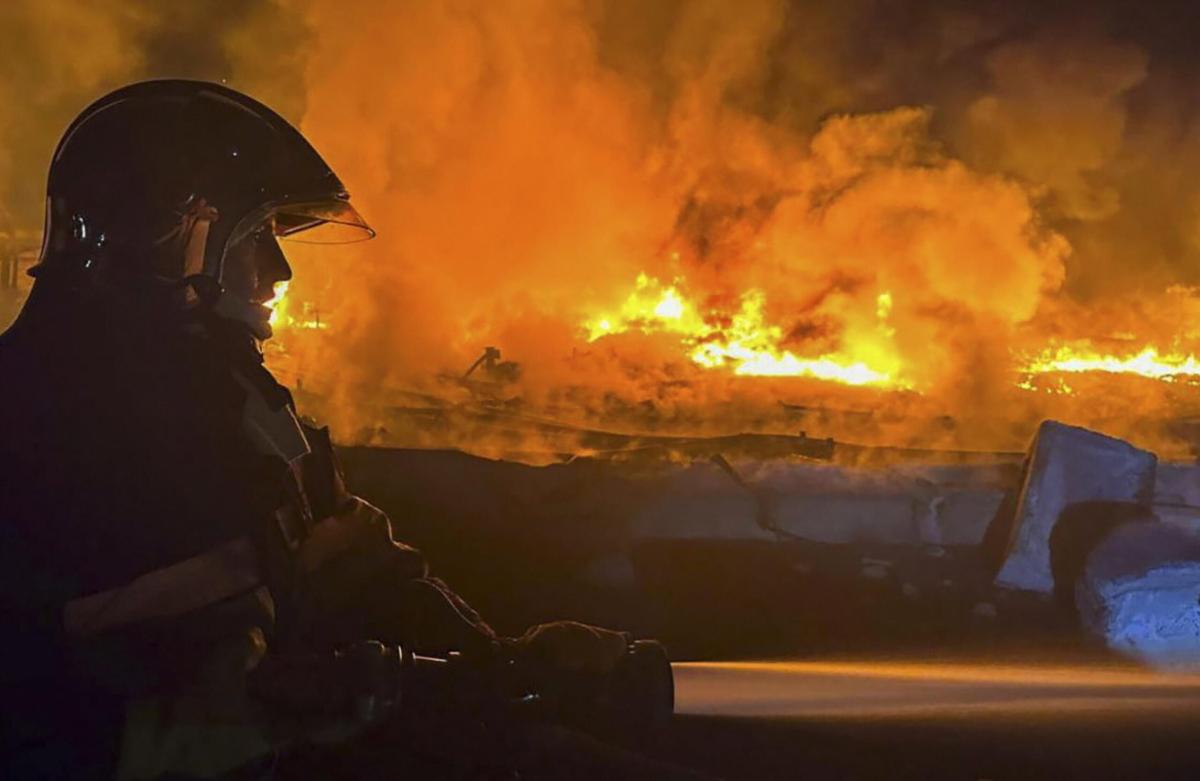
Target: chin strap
207,297
202,290
188,240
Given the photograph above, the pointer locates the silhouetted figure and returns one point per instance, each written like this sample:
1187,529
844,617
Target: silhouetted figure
168,527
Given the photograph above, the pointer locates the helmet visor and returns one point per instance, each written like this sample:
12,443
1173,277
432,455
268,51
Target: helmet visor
321,222
330,221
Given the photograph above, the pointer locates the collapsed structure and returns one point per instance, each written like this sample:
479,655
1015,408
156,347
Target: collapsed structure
1086,538
1093,523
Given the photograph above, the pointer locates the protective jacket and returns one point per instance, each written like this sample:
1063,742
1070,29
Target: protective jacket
159,534
168,528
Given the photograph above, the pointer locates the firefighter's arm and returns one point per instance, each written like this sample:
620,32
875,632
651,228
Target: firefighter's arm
573,646
348,532
353,555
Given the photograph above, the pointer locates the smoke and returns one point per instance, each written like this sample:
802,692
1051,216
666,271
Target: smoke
997,171
55,58
60,56
525,162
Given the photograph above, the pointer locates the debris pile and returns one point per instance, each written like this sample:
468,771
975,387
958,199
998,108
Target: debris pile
1066,465
1093,524
1090,539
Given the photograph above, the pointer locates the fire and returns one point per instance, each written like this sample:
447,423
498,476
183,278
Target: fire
744,342
1147,363
650,308
282,317
278,304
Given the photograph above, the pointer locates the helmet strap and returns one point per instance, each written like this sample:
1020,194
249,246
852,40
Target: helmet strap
202,290
186,242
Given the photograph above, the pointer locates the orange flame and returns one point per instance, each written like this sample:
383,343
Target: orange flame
748,344
745,343
281,316
1149,363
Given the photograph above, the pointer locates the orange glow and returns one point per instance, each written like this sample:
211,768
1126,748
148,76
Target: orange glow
745,342
653,250
278,304
282,316
1149,363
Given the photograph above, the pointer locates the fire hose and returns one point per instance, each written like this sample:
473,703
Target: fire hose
368,681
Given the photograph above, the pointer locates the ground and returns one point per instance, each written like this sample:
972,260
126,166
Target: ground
529,544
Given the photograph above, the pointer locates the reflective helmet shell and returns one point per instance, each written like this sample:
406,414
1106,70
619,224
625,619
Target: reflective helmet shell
139,167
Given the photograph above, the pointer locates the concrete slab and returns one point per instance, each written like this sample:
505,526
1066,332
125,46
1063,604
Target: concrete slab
825,503
1066,465
1177,483
698,501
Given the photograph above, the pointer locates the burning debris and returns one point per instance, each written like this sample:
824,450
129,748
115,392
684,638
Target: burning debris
1147,363
742,341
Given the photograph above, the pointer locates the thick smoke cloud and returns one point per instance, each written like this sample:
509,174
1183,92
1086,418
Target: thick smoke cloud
1000,170
524,162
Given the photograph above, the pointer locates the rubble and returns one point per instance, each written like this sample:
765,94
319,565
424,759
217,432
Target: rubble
699,501
1184,516
930,506
785,553
1066,465
1177,484
1079,529
1139,594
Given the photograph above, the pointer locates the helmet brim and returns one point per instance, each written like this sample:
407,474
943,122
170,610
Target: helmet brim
321,222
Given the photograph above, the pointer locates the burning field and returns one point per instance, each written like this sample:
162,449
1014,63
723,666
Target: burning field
714,218
910,224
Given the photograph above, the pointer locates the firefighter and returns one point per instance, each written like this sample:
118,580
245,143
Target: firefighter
168,526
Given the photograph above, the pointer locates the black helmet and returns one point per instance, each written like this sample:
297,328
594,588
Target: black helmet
153,183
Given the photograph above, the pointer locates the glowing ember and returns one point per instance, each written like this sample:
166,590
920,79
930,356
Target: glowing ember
744,342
